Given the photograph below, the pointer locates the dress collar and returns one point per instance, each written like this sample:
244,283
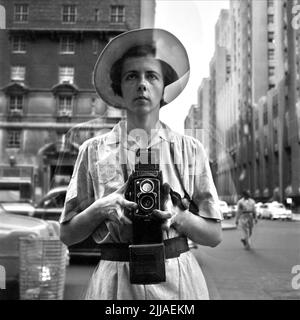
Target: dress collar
119,133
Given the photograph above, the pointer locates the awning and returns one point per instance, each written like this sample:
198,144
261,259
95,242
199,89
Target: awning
276,190
15,180
288,191
257,193
266,192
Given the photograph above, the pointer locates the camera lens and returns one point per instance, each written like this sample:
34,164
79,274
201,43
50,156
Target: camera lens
147,186
147,202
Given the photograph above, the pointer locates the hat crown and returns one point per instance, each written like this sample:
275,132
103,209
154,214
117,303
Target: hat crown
167,48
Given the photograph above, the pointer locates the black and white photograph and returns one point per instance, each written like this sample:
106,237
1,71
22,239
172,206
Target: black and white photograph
150,151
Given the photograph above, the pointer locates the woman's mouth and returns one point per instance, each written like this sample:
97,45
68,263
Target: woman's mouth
141,98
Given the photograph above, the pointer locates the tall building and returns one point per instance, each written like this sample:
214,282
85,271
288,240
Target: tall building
275,122
255,100
204,124
225,106
192,122
47,55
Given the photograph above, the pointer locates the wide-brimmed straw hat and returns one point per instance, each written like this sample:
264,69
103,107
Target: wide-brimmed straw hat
168,49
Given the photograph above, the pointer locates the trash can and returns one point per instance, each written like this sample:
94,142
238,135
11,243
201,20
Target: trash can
42,268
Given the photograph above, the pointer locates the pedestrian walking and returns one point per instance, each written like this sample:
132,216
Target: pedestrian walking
245,218
141,71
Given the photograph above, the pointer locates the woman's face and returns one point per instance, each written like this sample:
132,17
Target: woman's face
142,84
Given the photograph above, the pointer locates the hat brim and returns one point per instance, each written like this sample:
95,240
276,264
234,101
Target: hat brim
168,49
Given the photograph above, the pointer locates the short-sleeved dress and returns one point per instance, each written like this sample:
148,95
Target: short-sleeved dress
98,172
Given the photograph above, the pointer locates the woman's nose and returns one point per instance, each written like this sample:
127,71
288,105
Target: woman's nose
142,84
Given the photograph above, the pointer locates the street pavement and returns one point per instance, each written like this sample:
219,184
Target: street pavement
296,216
231,272
263,273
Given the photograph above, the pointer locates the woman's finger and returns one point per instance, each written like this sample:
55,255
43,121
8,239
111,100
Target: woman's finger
122,189
166,189
128,204
166,224
162,214
185,203
125,220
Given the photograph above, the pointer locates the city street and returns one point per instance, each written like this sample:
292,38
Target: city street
233,273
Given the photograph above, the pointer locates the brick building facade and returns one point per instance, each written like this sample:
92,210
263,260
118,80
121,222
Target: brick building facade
47,55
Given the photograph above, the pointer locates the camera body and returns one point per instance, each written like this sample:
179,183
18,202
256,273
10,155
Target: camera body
147,251
145,188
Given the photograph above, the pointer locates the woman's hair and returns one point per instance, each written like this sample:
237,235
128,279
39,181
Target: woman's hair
169,74
246,193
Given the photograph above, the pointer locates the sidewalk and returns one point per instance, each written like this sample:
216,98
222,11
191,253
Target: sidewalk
296,217
227,225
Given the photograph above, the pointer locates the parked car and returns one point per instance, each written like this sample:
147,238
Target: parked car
233,209
14,199
275,210
12,227
258,207
225,209
50,208
51,205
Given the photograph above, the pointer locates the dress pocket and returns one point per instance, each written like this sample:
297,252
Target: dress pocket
106,172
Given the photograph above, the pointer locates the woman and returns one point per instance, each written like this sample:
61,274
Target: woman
141,70
246,215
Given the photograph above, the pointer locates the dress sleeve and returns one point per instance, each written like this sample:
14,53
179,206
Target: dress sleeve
205,193
80,191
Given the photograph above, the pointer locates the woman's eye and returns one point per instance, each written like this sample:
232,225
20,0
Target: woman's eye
130,77
152,77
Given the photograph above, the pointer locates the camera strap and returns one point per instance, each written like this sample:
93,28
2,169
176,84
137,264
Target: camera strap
123,161
178,175
192,205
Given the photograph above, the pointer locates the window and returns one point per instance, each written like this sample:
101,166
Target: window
65,104
95,45
66,75
17,73
270,3
256,122
67,45
265,114
117,14
18,45
270,18
257,145
271,71
275,106
97,15
265,141
16,103
271,54
69,13
275,136
13,139
271,36
21,13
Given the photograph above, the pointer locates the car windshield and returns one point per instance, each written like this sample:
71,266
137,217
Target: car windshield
10,195
278,206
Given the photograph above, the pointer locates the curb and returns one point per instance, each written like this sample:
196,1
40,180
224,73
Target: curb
228,226
296,217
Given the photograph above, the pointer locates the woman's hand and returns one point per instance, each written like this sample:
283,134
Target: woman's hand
113,205
172,216
207,232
